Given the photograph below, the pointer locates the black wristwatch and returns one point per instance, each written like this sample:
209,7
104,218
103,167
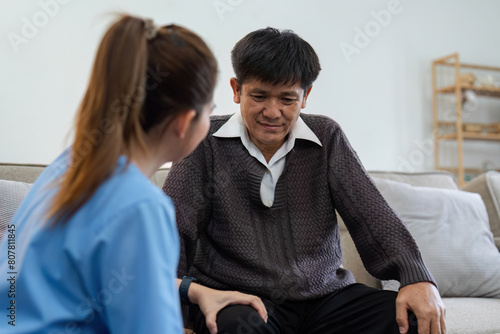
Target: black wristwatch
184,287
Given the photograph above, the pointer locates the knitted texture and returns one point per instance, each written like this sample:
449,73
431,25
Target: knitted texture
290,251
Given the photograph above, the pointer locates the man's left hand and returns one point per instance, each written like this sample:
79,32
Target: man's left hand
424,301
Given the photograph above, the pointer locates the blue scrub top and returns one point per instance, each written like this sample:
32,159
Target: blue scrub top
111,269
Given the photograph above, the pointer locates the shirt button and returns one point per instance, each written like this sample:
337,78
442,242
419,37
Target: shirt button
269,203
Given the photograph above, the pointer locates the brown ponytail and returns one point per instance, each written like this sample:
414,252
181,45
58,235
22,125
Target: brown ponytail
138,80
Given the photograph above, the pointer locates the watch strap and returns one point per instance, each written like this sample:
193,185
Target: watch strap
184,288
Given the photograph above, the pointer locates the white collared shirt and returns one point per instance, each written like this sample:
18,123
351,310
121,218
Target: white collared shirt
235,127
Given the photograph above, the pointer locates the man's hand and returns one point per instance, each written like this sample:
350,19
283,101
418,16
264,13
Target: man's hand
424,301
212,301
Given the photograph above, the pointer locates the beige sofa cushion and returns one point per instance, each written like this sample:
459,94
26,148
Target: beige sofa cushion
160,176
442,221
488,186
472,315
351,259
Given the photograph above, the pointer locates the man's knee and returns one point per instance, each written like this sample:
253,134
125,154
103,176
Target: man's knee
241,319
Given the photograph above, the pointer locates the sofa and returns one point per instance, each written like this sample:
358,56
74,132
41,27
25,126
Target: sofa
465,314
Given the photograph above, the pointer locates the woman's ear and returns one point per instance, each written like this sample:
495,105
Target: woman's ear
182,123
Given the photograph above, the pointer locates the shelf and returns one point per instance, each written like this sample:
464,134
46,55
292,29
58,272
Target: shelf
481,91
452,61
471,136
449,76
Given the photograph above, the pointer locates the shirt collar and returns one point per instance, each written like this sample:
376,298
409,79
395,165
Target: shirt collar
235,127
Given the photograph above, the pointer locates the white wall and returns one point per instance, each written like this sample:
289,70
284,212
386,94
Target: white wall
382,97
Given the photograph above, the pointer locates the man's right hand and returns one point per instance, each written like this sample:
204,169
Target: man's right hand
211,301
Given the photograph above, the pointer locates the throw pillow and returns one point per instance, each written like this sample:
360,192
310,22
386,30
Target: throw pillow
452,231
488,186
12,194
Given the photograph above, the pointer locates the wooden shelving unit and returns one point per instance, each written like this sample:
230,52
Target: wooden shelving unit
447,80
480,91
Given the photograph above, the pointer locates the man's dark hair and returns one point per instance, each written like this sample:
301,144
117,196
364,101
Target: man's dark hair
276,57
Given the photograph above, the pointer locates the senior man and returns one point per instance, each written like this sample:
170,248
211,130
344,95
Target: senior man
256,209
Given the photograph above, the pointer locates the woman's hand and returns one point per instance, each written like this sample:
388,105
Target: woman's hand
212,301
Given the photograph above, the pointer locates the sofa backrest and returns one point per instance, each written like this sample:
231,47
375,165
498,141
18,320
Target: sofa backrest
435,179
29,172
20,172
23,175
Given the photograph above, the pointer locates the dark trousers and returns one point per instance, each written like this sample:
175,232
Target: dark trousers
354,309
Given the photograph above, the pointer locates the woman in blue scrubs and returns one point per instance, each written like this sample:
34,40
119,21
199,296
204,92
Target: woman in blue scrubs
95,244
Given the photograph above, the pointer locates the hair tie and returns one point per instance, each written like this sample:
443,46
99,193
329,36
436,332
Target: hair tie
176,36
151,29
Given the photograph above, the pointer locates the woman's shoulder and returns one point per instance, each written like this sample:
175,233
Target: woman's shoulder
127,188
126,202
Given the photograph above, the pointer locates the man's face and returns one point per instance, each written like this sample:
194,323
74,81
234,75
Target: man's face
269,111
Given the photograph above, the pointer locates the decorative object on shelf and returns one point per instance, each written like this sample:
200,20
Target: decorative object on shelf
470,101
487,81
482,128
473,128
467,79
